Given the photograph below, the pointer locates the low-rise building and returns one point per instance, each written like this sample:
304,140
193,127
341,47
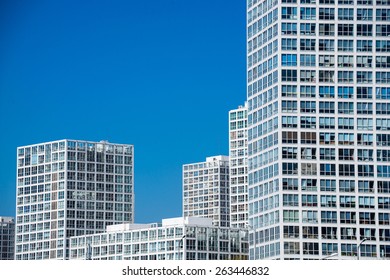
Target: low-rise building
189,238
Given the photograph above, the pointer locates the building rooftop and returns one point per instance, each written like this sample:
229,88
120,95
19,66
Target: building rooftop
194,221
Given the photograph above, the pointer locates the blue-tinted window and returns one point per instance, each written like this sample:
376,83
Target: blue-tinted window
289,60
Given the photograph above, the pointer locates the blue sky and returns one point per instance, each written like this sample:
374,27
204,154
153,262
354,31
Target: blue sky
159,74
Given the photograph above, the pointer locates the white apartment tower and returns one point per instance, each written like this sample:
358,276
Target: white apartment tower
238,156
69,188
318,94
206,190
7,238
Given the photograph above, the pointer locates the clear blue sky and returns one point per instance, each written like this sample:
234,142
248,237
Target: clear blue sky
159,74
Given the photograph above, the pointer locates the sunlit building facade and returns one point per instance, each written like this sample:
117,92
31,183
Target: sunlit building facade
69,188
187,238
318,128
7,238
238,156
206,190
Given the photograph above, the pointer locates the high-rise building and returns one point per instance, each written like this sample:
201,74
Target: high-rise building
238,167
206,190
318,92
69,188
187,238
7,238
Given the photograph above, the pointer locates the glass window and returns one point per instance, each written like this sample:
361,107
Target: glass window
326,92
382,30
345,123
307,44
364,93
382,62
327,138
326,14
326,60
365,124
383,14
364,46
308,106
383,108
382,46
345,14
328,169
289,13
346,154
326,107
326,29
328,185
344,29
308,76
327,154
308,138
289,90
289,121
364,77
289,44
308,13
289,60
345,61
308,122
364,30
308,60
364,14
326,76
382,77
289,75
345,76
307,91
345,92
364,108
289,28
346,138
345,45
326,45
308,29
328,216
327,123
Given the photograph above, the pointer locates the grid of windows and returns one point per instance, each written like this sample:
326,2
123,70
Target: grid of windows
7,238
206,189
334,128
238,184
169,241
70,188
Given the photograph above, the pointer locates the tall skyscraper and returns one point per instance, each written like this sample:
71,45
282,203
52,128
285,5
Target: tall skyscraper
318,128
70,188
238,155
7,238
206,190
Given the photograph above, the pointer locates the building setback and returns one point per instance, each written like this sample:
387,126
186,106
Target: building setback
69,188
7,238
187,238
318,92
206,190
238,156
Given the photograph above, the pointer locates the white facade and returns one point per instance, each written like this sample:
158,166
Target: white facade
206,190
238,155
69,188
318,128
189,238
7,238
